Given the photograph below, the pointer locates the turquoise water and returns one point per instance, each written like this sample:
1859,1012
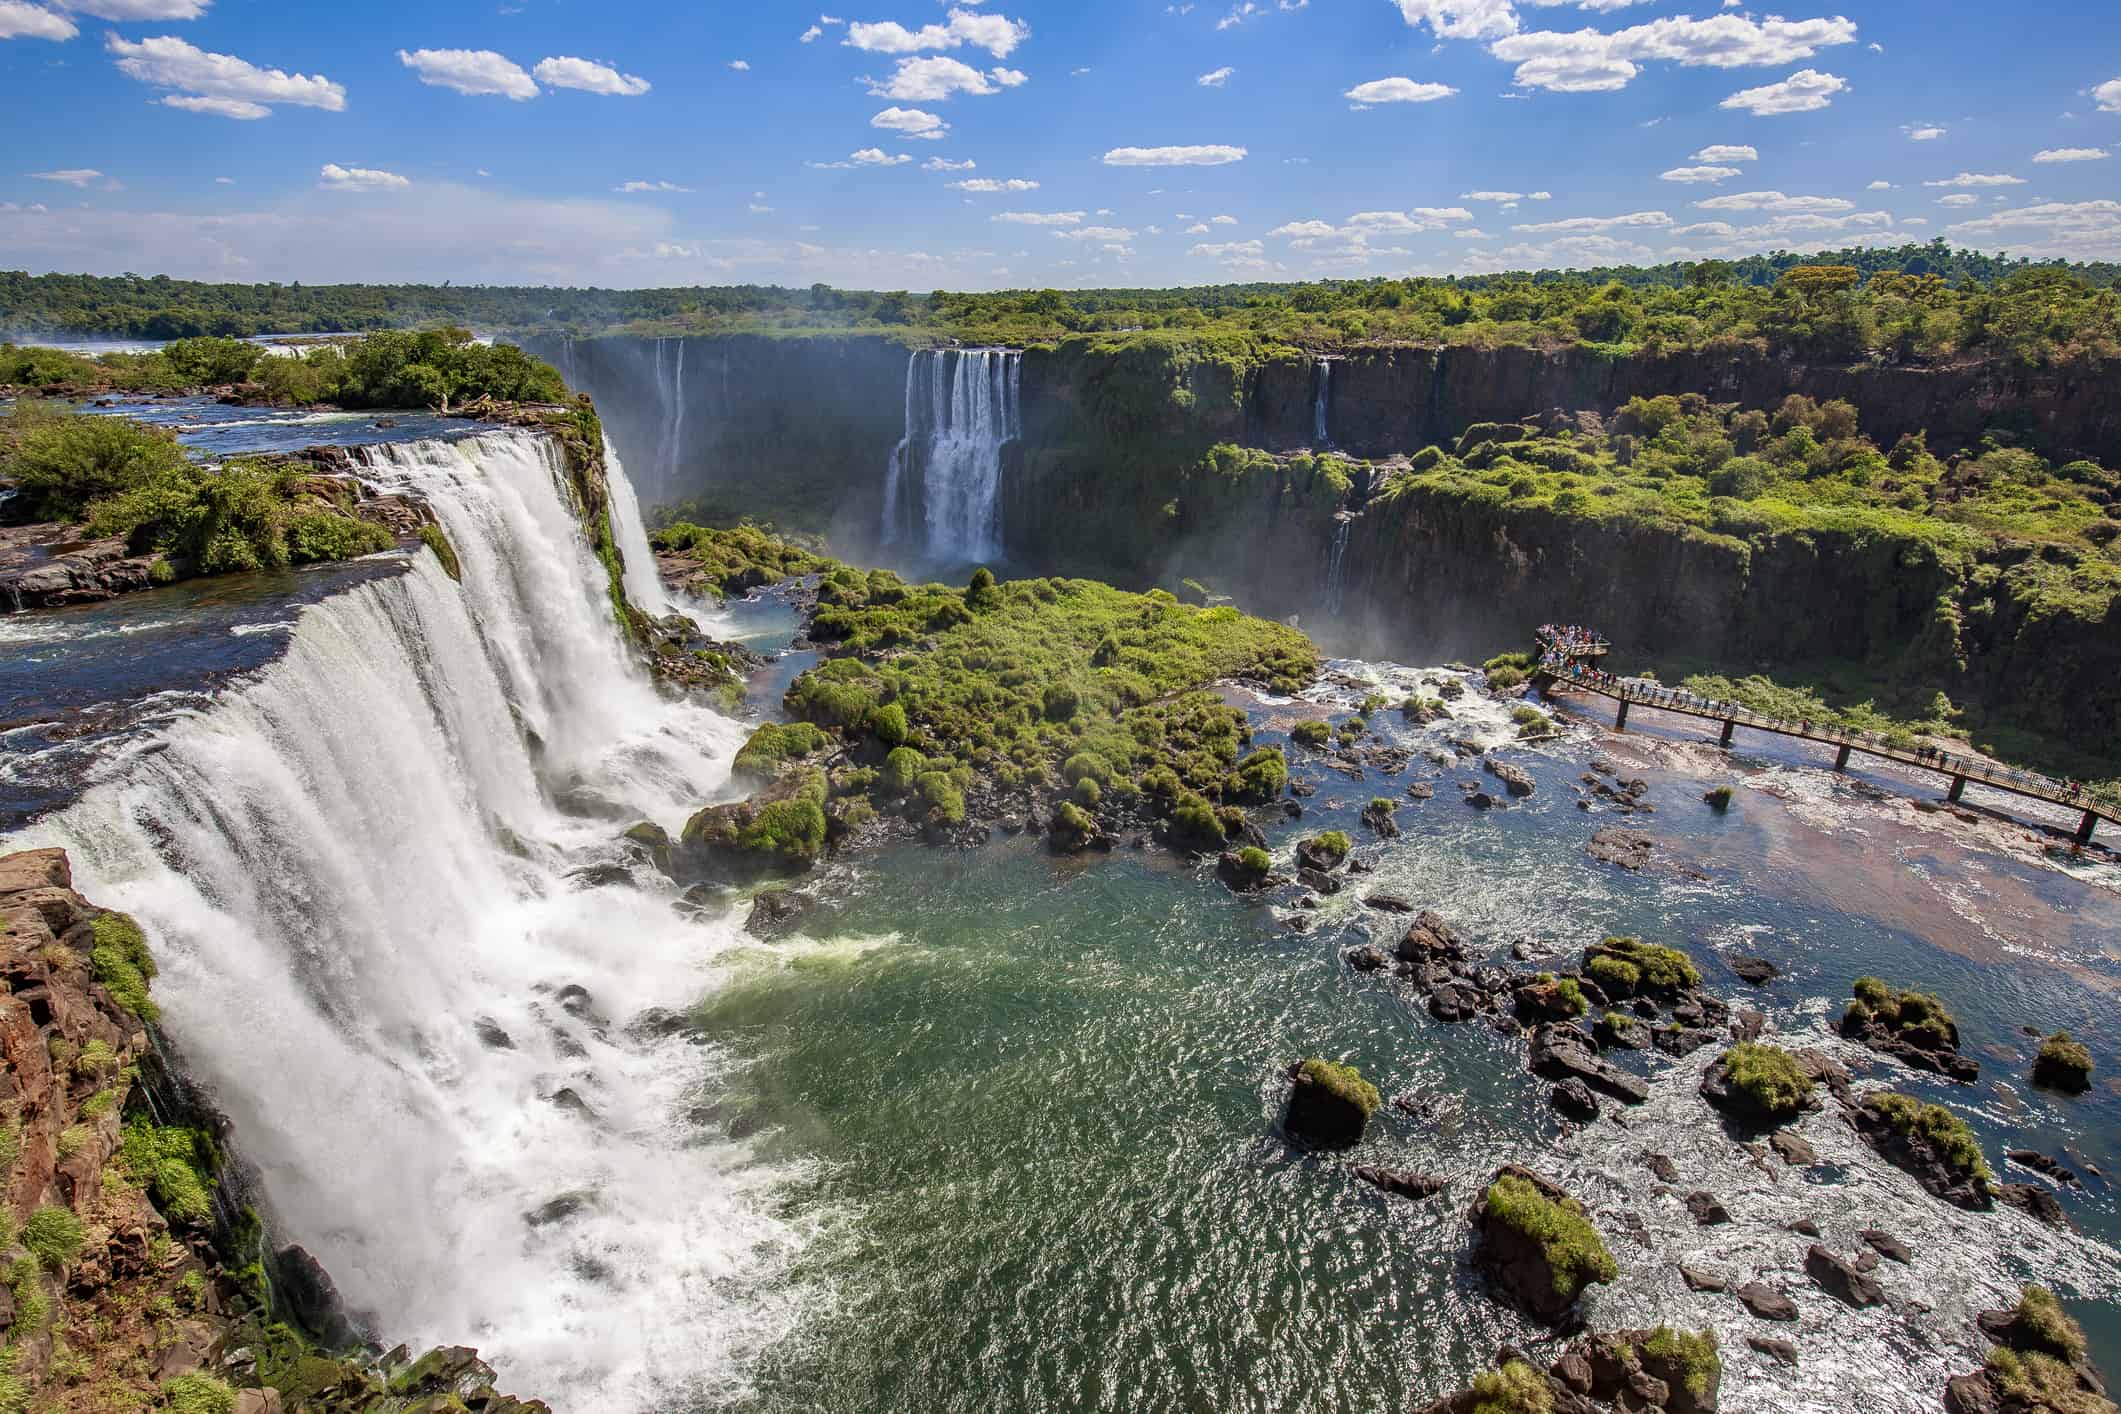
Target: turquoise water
1039,1098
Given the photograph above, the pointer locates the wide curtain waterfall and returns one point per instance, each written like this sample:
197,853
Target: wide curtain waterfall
963,407
361,874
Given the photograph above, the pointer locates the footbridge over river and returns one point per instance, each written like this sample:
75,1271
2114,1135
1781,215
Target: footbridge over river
1569,662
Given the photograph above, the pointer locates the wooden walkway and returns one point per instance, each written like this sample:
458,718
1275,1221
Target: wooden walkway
1556,674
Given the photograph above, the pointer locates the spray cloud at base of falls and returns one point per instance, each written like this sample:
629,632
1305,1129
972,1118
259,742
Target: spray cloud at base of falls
355,867
963,408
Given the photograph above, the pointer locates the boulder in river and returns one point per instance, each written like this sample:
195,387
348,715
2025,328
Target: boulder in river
1913,1028
1405,1183
1766,1302
1574,1099
775,911
1325,852
1514,778
1842,1278
1929,1142
2063,1064
1536,1244
1562,1052
1628,849
1329,1105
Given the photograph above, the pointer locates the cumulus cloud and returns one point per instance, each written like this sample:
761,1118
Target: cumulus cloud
944,164
591,77
1039,218
996,35
2108,96
1711,175
1096,233
1587,61
1881,186
1575,224
2074,229
122,10
478,72
1396,90
1462,19
1958,199
1979,179
911,123
649,187
1207,155
1726,152
236,87
933,80
1923,132
867,157
991,184
19,20
2071,154
742,66
1216,78
1774,201
1491,196
78,177
1805,91
333,177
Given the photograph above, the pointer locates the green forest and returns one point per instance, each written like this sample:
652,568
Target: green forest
1912,303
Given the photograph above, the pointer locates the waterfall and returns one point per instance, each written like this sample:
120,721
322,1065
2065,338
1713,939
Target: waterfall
963,406
356,870
670,398
1321,403
1337,563
644,586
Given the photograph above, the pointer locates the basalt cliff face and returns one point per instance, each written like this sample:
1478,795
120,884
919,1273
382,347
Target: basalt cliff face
1113,476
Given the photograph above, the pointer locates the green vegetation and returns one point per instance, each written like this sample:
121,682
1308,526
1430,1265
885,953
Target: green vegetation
2040,1319
1615,976
1693,1355
432,537
2064,1063
742,558
774,746
2040,1384
1916,1017
1954,1141
1254,862
1344,1082
1507,670
1049,684
122,963
198,1394
1769,1079
53,1236
1720,798
1573,1250
1311,733
1658,969
1331,846
1515,1388
174,1164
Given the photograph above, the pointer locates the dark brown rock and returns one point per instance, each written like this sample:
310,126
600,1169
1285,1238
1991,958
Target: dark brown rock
1628,849
1887,1245
1403,1182
1777,1349
1756,970
1794,1151
1766,1302
1842,1278
1706,1209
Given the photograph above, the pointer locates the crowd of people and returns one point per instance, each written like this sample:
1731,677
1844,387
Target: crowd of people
1565,646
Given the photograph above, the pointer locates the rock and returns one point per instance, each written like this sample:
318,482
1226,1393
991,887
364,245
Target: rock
1539,1000
1378,816
310,1294
1681,1041
1367,958
1746,1025
1887,1245
1756,970
2035,1202
1971,1394
1455,1002
1842,1278
1318,879
775,911
601,876
1421,790
1921,1156
1628,849
1403,1182
1322,853
1794,1151
2040,1163
1574,1099
2063,1064
1242,875
1481,800
1804,1227
1389,903
653,842
1562,1053
1663,1167
566,1099
1698,1280
1766,1302
1515,779
491,1035
258,1401
558,1210
575,1001
1706,1210
1780,1350
1619,1032
1519,1260
1329,1105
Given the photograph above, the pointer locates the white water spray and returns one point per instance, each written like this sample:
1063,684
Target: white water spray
1322,403
963,406
1337,563
355,870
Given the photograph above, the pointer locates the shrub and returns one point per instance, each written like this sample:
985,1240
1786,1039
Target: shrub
173,1164
1949,1134
320,537
1060,702
1335,844
2041,1320
1662,969
1263,775
791,829
198,1394
1088,792
1345,1082
122,964
1254,861
1073,824
1311,733
888,724
1769,1078
432,537
2040,1384
2064,1062
1693,1356
1572,1247
1516,1388
902,768
53,1236
774,746
1194,822
1571,993
981,593
1616,976
1917,1017
1720,798
943,797
64,462
1086,765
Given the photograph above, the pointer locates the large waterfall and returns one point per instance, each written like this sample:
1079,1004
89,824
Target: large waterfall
963,407
670,393
360,872
1322,403
644,586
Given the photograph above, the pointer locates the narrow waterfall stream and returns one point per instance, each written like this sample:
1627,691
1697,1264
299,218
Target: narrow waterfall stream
360,869
963,406
1322,404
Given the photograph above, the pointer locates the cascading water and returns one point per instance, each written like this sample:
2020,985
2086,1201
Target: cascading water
1322,402
1337,563
643,585
670,392
963,406
359,872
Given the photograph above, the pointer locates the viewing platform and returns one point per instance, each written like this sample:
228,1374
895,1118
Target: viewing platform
1566,665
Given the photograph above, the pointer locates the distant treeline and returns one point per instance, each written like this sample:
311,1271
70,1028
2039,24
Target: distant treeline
1910,303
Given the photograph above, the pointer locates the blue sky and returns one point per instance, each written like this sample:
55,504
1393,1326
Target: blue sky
896,143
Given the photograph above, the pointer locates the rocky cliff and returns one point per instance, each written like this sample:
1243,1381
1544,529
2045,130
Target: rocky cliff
134,1272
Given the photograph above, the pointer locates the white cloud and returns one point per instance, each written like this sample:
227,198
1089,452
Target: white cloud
1979,179
1587,61
1881,186
2108,96
1491,196
1726,152
991,184
2072,154
649,186
589,77
333,177
810,35
1242,256
1700,174
1805,91
122,10
1038,218
1541,196
1216,78
944,164
78,177
1198,228
239,108
1462,19
911,123
1958,199
241,86
224,181
1222,220
742,66
1306,230
933,80
992,33
1209,155
1576,224
19,20
1396,90
1096,233
867,157
1774,201
1923,132
478,72
2076,230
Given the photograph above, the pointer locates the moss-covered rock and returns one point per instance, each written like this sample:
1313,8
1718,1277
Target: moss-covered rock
1325,852
782,830
2063,1064
1659,971
1912,1027
1536,1243
774,747
1329,1105
1759,1082
1929,1142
